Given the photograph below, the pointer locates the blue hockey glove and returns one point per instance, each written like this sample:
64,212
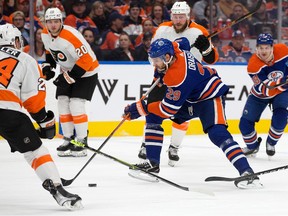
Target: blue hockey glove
135,110
184,43
47,128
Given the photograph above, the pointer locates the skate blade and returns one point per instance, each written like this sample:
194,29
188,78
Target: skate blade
256,184
77,206
253,155
78,154
67,153
172,163
142,176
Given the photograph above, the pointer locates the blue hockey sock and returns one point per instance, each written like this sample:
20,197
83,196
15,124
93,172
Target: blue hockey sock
153,140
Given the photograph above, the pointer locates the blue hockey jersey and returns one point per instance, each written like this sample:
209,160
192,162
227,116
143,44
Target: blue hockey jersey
270,75
187,80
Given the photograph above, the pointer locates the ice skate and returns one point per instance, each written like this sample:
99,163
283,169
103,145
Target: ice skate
173,155
62,197
77,151
142,152
250,182
270,149
247,151
64,150
147,166
67,149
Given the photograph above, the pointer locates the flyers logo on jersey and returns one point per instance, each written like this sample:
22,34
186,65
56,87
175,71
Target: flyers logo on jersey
58,55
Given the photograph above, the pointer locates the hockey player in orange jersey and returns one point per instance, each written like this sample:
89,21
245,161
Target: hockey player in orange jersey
267,68
76,83
193,91
181,26
22,84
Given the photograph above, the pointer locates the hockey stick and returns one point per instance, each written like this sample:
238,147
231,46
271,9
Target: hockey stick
219,178
69,182
275,86
245,16
131,166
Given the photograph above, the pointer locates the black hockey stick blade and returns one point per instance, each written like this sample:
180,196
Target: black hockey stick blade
129,165
66,182
233,22
220,178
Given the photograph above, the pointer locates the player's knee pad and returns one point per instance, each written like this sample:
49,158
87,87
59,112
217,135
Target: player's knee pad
246,126
63,104
32,155
77,106
218,134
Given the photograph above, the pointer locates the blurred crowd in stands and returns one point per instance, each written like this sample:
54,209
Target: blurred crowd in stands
121,30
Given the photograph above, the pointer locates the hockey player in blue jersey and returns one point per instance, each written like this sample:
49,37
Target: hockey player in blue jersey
193,90
267,68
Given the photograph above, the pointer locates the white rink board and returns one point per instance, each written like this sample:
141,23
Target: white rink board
121,84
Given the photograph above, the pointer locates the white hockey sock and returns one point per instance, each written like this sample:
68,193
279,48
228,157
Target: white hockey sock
41,161
80,118
178,133
81,126
67,129
66,119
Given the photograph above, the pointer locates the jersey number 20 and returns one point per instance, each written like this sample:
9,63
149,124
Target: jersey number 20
81,51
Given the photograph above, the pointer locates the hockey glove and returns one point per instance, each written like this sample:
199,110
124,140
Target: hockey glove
47,71
63,80
47,126
184,43
135,110
203,45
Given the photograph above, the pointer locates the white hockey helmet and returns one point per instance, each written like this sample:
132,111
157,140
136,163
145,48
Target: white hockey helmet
181,8
53,13
9,34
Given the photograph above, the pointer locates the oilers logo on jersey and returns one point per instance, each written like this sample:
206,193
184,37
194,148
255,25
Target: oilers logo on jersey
275,75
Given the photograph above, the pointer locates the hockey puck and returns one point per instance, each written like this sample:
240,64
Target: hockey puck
92,185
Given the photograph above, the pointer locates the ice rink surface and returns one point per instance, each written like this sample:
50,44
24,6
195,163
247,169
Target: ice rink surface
116,193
